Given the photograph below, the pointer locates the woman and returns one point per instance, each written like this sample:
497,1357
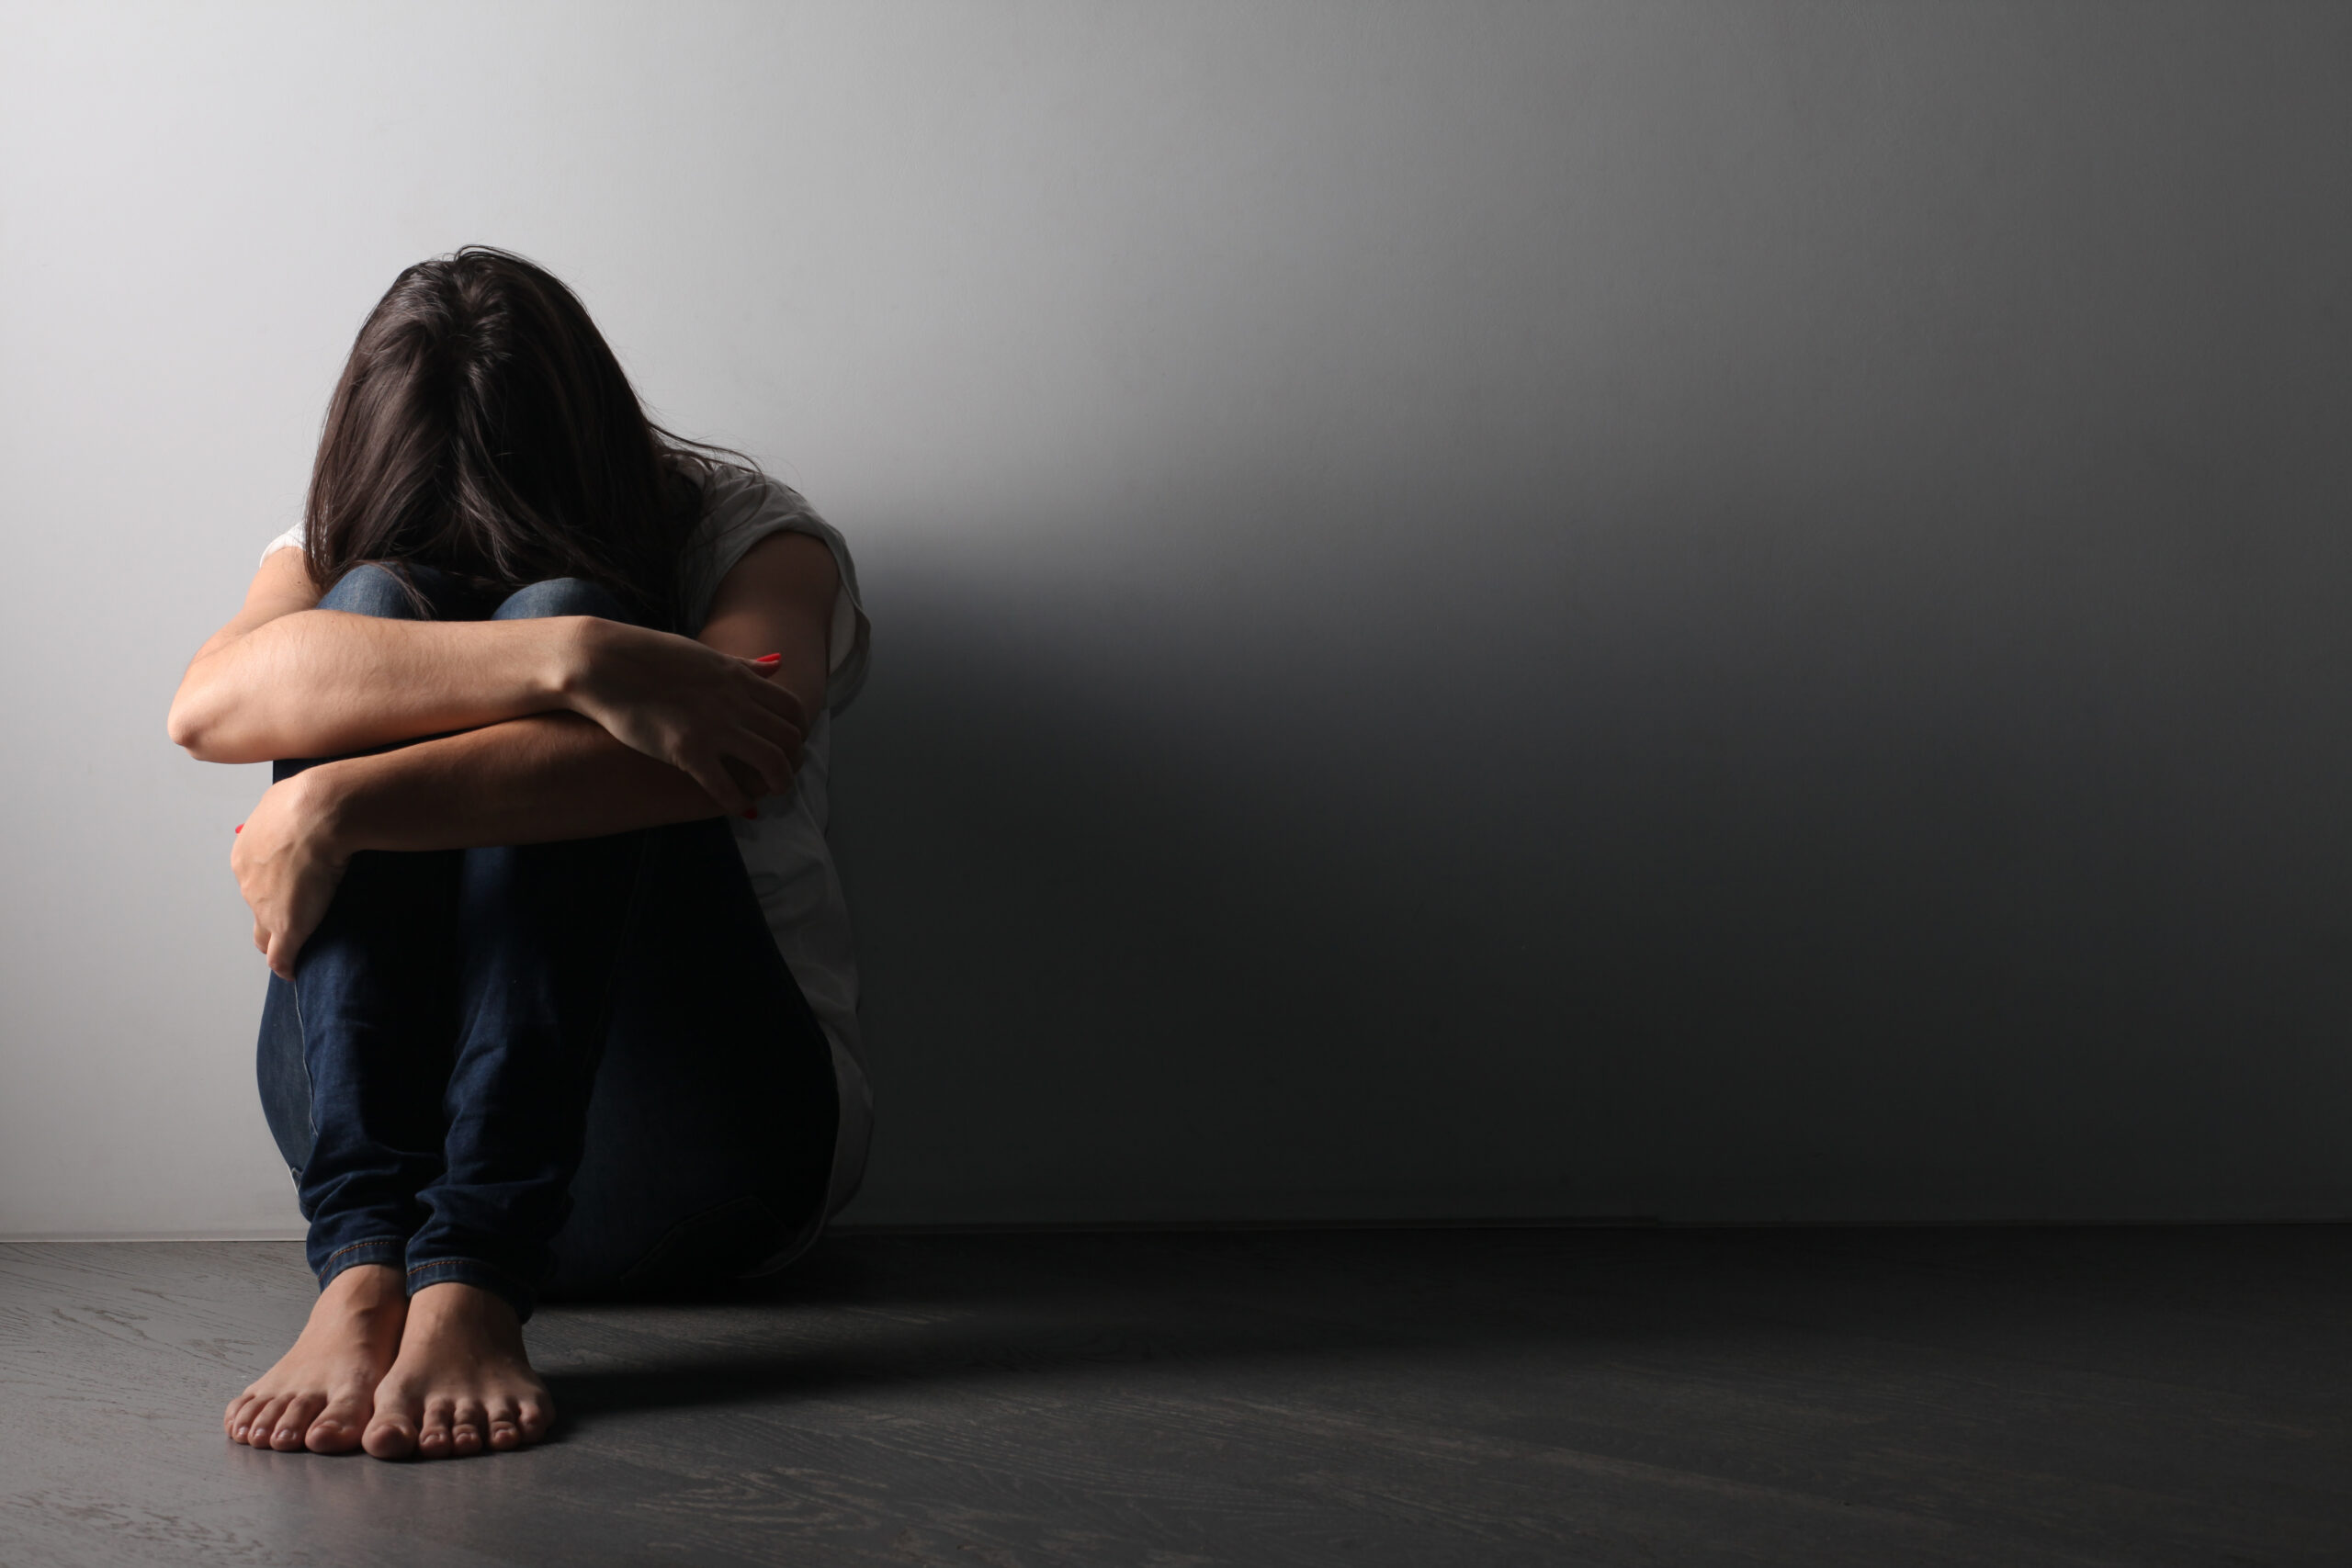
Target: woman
561,996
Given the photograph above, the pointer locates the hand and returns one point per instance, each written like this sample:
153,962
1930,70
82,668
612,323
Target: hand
720,720
288,866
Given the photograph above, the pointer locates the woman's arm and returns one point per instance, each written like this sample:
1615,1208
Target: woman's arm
553,776
534,779
287,679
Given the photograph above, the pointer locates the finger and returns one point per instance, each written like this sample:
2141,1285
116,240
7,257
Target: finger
765,758
718,784
783,700
778,731
749,780
261,939
281,956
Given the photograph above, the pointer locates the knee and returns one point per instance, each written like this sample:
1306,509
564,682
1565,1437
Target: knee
371,589
561,596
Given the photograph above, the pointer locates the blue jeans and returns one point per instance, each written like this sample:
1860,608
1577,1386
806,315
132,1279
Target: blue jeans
577,1066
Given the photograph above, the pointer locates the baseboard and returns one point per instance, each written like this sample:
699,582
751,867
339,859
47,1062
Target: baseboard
1213,1227
1122,1227
26,1237
1580,1222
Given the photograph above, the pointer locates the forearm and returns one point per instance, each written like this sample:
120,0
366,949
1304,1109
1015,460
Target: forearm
321,682
526,781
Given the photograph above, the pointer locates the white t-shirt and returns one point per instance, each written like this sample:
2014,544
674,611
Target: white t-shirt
784,850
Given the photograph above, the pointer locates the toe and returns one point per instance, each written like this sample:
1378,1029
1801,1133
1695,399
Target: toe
536,1416
391,1435
467,1425
433,1437
504,1418
392,1430
338,1427
295,1420
262,1421
232,1419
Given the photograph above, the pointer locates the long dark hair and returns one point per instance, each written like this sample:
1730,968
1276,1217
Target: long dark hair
483,426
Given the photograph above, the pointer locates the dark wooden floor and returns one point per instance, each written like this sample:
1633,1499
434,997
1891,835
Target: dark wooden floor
2135,1397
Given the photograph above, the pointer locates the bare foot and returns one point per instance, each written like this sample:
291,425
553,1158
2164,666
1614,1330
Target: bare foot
461,1383
321,1392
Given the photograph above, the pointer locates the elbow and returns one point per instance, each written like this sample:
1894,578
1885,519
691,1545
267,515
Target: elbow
198,732
188,733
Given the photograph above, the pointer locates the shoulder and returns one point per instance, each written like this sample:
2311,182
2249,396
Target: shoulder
737,500
740,508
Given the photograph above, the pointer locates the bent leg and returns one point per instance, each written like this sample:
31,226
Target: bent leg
535,929
351,1056
283,1073
622,993
623,989
373,1003
710,1132
624,1002
538,929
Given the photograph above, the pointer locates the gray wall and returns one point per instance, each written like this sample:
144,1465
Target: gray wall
1716,611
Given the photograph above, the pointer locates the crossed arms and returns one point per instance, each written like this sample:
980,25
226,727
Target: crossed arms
565,727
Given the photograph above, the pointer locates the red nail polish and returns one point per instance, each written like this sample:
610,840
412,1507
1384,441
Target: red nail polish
768,658
238,828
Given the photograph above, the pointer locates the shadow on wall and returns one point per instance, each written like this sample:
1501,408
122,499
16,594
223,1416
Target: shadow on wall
1641,871
1760,640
